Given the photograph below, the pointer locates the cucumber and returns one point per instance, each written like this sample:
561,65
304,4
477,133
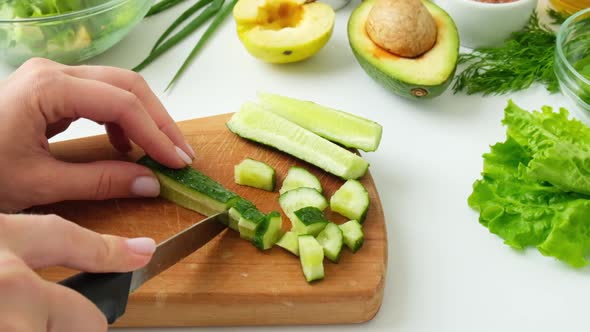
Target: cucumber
254,173
298,177
190,188
352,233
268,232
249,222
236,211
309,220
351,200
296,199
331,240
290,242
254,123
347,129
311,255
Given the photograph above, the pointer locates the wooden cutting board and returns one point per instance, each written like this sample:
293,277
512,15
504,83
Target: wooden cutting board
229,281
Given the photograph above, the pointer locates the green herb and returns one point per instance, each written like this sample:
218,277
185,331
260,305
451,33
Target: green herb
162,6
535,185
525,58
204,38
557,17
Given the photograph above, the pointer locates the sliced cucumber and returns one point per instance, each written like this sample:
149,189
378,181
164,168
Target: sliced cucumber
347,129
311,255
351,200
249,223
352,233
236,211
254,173
298,177
190,188
268,231
254,123
309,220
331,240
299,198
290,242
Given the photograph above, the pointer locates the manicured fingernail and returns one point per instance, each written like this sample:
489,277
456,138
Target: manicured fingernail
146,186
190,149
142,245
184,156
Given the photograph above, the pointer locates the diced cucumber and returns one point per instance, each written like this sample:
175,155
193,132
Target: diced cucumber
255,173
249,222
309,220
331,240
298,177
311,255
268,232
257,124
352,233
351,200
290,242
190,188
347,129
299,198
236,211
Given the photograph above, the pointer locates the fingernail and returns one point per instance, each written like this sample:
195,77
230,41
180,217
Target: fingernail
146,186
142,245
190,149
184,156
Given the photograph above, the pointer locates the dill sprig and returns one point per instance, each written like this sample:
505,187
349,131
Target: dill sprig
557,17
525,58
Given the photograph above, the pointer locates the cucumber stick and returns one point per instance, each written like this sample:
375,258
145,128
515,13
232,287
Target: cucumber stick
290,242
298,177
254,173
351,200
311,256
257,124
352,234
309,220
331,239
347,129
268,232
190,188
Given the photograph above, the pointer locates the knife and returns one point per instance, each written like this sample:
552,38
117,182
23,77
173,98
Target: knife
110,291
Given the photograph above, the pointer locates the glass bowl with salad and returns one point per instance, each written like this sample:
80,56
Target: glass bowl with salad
572,59
66,31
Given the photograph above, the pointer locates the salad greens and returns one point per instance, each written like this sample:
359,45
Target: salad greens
535,186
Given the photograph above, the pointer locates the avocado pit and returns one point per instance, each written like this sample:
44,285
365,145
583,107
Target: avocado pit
402,27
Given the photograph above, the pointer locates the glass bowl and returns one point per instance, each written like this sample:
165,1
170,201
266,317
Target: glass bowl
572,59
71,37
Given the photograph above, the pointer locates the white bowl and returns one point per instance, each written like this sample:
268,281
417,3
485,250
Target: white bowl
487,24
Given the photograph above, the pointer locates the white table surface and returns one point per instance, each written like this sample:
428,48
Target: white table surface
446,272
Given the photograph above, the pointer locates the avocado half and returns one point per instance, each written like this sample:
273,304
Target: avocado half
425,76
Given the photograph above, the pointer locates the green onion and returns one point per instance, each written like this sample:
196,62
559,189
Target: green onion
186,31
206,35
188,13
162,6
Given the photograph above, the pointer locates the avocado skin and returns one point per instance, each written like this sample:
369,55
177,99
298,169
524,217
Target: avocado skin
400,87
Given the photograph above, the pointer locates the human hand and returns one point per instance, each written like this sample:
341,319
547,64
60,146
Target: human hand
42,98
32,304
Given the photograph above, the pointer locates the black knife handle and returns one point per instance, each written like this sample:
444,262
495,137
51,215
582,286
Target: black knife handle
108,291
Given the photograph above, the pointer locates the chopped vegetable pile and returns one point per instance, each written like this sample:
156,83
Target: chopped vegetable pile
535,189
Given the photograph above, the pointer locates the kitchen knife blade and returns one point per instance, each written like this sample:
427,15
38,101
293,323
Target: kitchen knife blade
110,291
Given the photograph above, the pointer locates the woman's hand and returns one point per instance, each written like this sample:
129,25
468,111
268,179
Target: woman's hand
42,98
30,303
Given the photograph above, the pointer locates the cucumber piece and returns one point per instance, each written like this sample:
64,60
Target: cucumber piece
351,200
352,233
269,231
190,188
249,222
309,220
254,173
347,129
298,177
290,242
236,211
311,255
296,199
254,123
331,239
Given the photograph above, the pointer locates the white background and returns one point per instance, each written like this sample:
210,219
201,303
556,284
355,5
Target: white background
445,271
